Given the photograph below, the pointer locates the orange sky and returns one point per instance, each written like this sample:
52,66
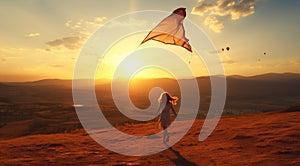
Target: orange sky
42,39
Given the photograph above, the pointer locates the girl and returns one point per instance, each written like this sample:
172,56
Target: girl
166,104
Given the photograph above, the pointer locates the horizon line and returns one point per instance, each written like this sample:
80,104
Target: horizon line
147,78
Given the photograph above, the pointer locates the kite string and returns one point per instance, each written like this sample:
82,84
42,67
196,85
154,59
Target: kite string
190,57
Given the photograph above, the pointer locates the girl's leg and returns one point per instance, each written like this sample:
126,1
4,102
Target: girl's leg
167,139
166,136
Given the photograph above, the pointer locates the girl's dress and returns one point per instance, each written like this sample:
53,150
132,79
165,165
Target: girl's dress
165,117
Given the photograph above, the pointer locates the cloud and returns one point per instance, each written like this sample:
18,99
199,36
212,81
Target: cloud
57,66
84,28
228,62
71,43
33,35
202,9
295,62
80,31
214,24
235,9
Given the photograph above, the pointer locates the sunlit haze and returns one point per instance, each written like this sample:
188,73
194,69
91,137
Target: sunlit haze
42,39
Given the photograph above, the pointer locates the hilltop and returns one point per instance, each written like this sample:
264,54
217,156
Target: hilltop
258,139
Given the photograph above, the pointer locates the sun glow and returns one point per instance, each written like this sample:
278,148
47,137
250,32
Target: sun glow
129,45
132,65
152,73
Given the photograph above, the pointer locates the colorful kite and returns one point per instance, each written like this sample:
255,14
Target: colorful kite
170,30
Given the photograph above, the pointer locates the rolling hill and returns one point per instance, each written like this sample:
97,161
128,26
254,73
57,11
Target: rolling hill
257,139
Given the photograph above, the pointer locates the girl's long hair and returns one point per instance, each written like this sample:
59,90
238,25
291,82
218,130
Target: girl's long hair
166,96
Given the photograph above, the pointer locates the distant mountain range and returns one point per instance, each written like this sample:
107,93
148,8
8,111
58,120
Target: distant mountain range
271,77
286,77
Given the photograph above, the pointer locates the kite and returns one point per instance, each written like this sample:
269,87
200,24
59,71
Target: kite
170,30
227,48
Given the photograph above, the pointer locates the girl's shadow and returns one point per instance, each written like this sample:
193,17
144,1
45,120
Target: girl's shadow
180,160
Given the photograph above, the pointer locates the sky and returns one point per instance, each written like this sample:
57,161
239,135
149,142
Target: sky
41,39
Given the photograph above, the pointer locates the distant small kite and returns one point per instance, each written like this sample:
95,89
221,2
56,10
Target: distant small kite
170,30
227,49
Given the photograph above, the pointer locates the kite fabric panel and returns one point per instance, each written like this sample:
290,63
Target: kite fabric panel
170,30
